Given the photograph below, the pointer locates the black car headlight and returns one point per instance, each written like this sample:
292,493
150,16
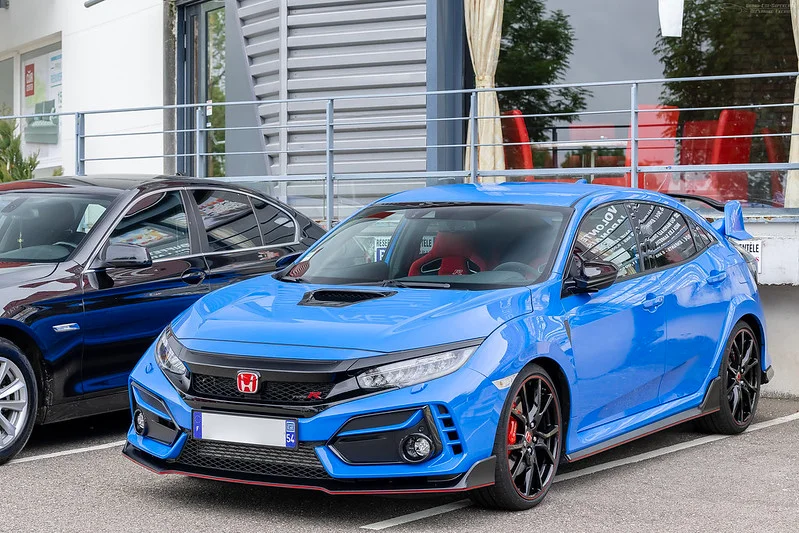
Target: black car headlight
413,371
166,356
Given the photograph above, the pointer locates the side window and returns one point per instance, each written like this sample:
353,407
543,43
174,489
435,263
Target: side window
276,226
228,220
606,234
702,237
91,215
665,235
157,222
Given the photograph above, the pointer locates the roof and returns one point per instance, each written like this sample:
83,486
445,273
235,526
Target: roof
109,184
554,194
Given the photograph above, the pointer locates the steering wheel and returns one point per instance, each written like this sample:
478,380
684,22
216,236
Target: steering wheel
520,268
70,245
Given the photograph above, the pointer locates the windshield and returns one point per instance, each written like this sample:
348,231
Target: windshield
458,246
45,228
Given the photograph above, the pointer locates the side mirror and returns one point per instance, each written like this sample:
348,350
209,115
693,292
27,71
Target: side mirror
286,260
121,255
592,276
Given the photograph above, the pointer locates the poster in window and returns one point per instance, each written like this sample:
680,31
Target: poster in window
42,80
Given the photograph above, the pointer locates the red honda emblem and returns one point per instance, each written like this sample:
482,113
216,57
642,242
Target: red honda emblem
247,382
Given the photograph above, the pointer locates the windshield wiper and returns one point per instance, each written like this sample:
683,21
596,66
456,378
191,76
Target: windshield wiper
415,284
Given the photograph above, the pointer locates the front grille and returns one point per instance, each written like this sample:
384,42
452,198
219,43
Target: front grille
271,392
301,463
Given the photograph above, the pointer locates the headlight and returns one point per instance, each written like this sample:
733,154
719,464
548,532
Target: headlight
166,356
413,371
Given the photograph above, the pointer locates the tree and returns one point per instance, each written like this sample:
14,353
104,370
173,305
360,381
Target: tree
14,165
535,50
722,38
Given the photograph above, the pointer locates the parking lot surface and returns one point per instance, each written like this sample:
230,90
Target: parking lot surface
72,477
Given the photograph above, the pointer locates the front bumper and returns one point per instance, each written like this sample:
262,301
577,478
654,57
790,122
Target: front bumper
481,474
460,411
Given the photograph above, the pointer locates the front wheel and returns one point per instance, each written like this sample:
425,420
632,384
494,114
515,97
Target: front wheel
740,377
527,444
18,400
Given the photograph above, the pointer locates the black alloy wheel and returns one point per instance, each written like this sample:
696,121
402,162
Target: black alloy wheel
740,375
528,445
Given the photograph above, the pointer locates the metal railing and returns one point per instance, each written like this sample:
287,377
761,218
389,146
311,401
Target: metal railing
332,123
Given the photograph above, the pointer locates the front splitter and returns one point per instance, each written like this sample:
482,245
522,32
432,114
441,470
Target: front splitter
481,474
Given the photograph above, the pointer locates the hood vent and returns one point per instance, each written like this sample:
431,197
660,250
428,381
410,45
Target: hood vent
341,298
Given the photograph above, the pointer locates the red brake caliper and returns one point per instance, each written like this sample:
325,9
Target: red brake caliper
512,427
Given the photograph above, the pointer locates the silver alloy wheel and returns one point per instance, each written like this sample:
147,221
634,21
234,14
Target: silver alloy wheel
13,402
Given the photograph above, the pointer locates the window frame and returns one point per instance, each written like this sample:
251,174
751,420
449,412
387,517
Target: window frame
202,235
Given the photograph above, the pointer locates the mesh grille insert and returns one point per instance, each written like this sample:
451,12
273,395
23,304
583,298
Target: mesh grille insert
301,463
273,392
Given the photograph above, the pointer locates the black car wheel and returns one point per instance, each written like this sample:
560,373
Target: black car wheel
740,375
18,400
527,444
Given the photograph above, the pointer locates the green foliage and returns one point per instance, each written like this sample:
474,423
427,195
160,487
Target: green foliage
721,38
14,165
535,50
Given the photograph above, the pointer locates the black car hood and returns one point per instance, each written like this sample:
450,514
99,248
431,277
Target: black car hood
14,274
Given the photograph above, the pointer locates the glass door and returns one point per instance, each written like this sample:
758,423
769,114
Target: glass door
203,81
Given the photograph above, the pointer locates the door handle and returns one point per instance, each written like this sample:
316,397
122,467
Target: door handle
193,277
716,276
652,302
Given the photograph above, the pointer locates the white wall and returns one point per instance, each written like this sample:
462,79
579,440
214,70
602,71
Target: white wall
113,57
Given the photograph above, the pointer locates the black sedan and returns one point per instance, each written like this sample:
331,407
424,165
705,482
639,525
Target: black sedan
92,269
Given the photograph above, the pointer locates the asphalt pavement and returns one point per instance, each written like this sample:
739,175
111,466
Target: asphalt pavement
72,477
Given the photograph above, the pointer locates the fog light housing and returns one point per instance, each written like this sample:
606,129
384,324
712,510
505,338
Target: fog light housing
139,422
416,448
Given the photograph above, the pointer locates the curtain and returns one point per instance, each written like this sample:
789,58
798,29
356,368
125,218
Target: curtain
484,32
792,183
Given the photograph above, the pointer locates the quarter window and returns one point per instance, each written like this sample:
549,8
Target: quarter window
276,226
702,237
665,235
606,234
228,220
158,223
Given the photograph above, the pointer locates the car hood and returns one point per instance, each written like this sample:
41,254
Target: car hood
15,274
266,311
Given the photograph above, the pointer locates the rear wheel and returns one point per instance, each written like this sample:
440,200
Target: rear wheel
18,400
740,377
527,444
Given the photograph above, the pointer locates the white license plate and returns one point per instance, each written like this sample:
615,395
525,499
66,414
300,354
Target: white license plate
276,432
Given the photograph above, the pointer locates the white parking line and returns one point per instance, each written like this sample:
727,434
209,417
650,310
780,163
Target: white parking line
115,444
442,509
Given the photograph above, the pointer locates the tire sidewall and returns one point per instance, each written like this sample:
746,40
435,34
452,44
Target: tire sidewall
11,352
502,482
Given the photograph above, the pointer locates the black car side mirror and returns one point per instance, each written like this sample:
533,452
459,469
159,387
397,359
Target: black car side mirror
122,255
592,276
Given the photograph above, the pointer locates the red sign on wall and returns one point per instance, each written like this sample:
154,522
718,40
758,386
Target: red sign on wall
29,78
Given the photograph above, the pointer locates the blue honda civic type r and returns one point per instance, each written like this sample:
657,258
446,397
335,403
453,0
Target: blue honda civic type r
461,338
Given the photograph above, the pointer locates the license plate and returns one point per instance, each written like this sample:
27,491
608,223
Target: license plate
277,432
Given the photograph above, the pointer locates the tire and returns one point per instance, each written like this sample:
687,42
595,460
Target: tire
18,400
739,394
531,451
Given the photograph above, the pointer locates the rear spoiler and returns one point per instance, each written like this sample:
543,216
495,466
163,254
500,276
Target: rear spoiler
732,224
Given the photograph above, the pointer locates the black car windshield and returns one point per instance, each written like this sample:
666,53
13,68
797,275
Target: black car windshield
442,246
45,227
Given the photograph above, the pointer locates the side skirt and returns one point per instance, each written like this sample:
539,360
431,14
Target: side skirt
93,405
709,405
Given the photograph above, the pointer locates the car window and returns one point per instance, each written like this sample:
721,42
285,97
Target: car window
702,237
665,235
45,227
606,234
157,222
276,226
228,220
